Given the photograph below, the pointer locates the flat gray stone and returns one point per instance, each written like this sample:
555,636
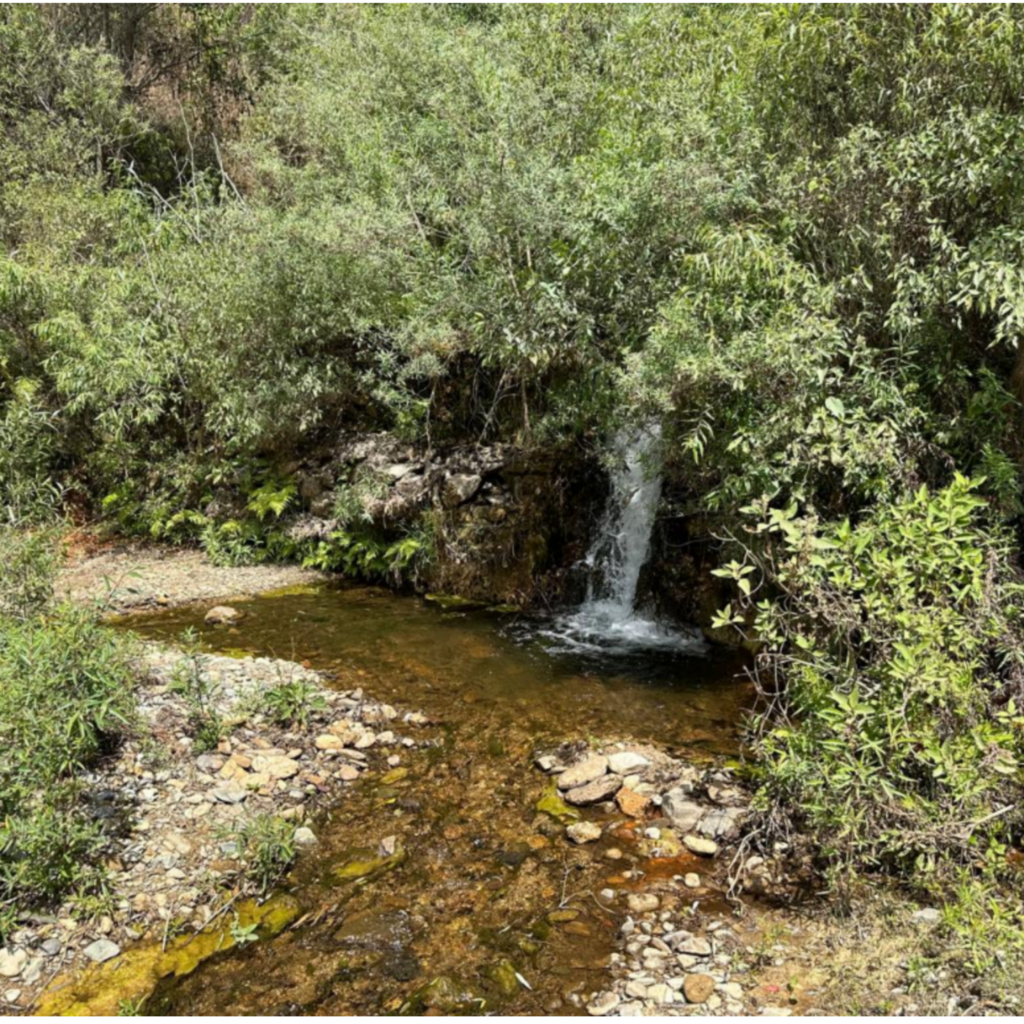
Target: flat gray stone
684,812
230,794
101,950
594,792
586,771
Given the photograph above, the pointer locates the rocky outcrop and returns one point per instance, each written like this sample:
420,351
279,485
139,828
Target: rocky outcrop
509,523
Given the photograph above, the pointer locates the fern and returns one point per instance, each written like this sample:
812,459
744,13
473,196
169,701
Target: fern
271,499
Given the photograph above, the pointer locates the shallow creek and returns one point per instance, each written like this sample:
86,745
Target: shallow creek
483,887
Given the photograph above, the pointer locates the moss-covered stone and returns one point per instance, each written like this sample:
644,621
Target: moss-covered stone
366,865
99,990
554,806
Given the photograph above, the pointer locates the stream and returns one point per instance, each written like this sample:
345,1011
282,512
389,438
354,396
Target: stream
490,910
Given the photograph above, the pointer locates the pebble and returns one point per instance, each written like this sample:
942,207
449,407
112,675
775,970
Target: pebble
584,832
305,837
700,845
12,962
698,988
12,995
694,946
101,950
926,915
603,1004
642,903
691,880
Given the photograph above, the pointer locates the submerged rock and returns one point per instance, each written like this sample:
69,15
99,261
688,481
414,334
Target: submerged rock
584,832
223,615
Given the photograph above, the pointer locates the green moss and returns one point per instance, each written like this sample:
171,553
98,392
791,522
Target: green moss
551,803
295,590
502,977
98,990
368,866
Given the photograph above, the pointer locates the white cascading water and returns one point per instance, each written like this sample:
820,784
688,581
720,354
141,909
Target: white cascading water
609,617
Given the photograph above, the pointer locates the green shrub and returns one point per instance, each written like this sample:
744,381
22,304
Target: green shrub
65,700
893,648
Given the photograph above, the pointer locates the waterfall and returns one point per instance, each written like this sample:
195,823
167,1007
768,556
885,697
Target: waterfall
609,618
623,540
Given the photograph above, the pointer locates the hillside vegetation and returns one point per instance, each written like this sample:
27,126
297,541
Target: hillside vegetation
794,235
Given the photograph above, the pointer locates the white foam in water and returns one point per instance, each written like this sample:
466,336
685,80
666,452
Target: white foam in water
609,619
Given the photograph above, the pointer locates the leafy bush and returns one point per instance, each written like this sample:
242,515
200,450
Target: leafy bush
898,736
65,699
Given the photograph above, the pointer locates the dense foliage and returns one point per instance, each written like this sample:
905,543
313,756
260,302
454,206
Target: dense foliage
65,699
793,233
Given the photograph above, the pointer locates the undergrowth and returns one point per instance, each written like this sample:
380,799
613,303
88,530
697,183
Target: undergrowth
65,701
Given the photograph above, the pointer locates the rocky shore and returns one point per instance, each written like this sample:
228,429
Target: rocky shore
172,811
681,946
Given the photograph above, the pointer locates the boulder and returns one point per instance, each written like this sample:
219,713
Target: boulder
459,488
276,767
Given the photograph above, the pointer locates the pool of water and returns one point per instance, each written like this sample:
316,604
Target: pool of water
490,909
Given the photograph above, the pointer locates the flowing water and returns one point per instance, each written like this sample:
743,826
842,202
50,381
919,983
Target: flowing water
488,888
491,909
610,618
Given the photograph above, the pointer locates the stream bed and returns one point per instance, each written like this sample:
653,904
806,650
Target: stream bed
477,904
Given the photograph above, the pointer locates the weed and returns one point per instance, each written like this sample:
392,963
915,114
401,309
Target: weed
292,703
200,693
266,847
